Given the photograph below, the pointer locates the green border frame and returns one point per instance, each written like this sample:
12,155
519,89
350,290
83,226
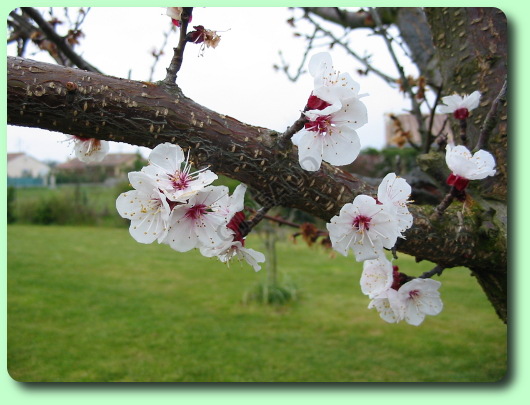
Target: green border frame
511,390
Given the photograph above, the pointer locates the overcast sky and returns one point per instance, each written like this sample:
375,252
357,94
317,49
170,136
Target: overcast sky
237,78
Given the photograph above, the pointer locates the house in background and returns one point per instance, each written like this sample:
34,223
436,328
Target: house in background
401,127
112,169
26,171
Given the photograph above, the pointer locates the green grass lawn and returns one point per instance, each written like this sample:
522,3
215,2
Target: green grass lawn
91,304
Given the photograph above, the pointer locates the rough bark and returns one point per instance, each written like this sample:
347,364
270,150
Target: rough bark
147,114
472,48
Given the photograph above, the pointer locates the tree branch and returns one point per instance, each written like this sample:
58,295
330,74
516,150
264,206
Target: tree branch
405,83
491,119
62,45
364,61
144,114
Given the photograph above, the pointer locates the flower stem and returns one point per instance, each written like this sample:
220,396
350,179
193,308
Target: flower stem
436,271
463,132
491,119
293,129
178,56
446,202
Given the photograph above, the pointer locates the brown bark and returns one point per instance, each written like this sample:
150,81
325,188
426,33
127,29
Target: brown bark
472,48
147,114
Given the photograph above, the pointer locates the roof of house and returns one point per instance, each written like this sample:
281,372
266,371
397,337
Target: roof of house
11,156
110,160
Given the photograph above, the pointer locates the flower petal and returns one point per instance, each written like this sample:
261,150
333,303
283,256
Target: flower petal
310,150
167,157
341,146
377,276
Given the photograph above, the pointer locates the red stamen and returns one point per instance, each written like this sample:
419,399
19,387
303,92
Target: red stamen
362,223
196,211
180,180
414,293
320,125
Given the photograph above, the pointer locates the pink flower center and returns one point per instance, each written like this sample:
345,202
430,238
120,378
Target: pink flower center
461,113
361,223
320,125
180,180
414,294
196,211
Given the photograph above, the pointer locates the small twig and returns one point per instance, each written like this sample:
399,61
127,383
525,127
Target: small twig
429,140
63,46
178,56
156,54
364,61
491,119
446,202
437,271
300,71
278,220
258,216
463,132
406,86
293,129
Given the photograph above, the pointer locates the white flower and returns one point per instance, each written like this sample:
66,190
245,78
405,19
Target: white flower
233,242
420,297
234,248
330,137
395,191
200,221
146,207
334,113
89,149
377,276
389,305
364,227
229,205
173,175
471,167
330,85
460,106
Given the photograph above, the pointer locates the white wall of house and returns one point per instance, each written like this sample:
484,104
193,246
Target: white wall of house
26,166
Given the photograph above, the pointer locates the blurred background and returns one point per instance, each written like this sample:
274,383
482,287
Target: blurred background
88,303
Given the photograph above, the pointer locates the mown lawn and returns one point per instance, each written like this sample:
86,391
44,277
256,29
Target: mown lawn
91,304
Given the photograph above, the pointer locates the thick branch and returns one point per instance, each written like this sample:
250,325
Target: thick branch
144,114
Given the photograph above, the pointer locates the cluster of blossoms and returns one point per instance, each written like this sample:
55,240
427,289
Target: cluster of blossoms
397,299
333,113
367,226
173,205
464,165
